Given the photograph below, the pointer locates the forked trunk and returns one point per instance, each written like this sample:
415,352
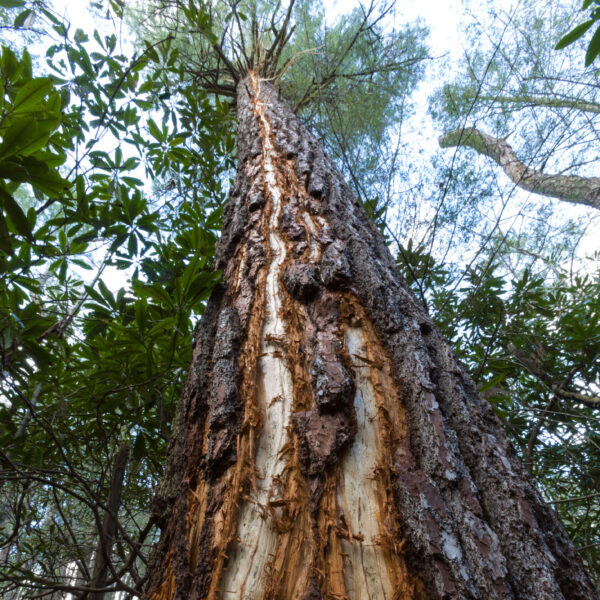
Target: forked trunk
328,444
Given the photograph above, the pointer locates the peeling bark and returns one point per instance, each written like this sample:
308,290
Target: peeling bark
569,188
328,444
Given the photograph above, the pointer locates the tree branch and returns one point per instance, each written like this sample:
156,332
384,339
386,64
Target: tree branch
569,188
535,367
109,526
530,101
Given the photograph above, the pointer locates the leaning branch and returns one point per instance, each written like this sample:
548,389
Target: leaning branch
569,188
109,526
534,366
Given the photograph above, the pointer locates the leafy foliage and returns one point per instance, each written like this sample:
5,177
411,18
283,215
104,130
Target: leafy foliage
350,80
88,367
593,49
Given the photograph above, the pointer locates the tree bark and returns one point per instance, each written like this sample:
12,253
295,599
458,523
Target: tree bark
569,188
106,537
328,444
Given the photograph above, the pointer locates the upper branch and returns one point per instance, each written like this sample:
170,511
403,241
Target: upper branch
569,188
552,102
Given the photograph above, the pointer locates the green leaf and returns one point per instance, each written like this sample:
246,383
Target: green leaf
25,136
106,293
30,170
5,241
29,96
574,35
11,3
22,17
154,130
139,447
40,355
15,213
593,49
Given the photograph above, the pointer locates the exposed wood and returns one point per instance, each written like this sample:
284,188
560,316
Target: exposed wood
569,188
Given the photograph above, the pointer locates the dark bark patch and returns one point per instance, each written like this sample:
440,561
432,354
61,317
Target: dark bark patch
289,225
257,255
313,592
332,382
256,200
228,338
335,266
224,415
323,438
301,282
234,227
318,184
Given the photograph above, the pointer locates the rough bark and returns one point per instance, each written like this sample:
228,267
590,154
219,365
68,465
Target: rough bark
328,444
569,188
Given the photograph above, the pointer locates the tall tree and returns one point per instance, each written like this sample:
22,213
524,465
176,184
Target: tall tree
328,443
87,368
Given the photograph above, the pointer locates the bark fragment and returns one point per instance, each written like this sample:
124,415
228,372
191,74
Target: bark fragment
301,282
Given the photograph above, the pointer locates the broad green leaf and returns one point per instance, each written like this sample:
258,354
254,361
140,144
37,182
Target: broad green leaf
106,293
5,241
23,17
15,213
154,130
29,97
574,35
593,49
30,170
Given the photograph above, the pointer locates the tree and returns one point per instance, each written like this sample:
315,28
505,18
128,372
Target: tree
570,188
516,85
328,443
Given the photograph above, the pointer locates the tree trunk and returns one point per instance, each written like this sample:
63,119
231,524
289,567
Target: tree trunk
328,444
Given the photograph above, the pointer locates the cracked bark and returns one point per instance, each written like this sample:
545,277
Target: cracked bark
328,444
569,188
